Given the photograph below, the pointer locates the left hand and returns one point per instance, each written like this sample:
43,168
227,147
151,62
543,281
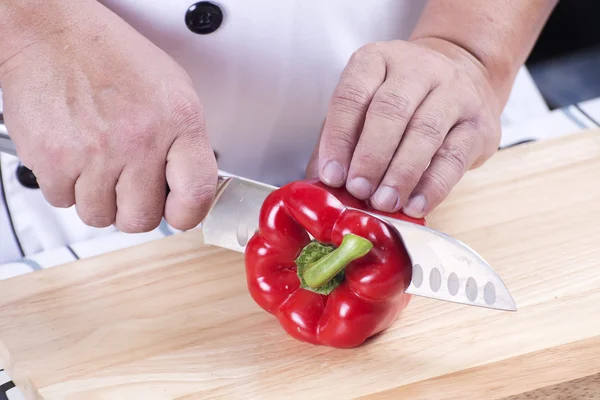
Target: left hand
405,122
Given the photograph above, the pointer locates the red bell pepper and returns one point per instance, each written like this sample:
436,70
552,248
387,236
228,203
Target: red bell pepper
338,289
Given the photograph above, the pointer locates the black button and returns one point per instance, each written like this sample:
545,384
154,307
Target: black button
26,177
203,17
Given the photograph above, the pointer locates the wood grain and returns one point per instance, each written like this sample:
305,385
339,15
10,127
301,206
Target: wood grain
513,378
587,388
172,319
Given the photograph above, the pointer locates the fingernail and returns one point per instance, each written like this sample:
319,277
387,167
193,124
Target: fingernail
386,199
360,188
333,174
415,206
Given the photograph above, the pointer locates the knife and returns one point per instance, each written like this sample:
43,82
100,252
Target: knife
444,268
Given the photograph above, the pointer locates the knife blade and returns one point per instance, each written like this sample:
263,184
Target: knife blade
443,267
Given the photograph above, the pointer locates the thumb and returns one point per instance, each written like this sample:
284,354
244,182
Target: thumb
192,178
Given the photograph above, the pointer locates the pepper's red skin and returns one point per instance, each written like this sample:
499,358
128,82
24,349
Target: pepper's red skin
370,297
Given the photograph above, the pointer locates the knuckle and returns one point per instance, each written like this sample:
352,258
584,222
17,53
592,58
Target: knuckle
138,222
339,138
360,57
197,195
454,156
474,124
438,183
144,144
368,56
139,137
368,49
429,127
392,106
406,174
351,97
188,116
371,160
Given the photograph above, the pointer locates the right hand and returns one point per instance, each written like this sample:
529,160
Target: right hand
105,120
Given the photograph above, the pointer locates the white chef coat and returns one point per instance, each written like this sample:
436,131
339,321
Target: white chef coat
265,77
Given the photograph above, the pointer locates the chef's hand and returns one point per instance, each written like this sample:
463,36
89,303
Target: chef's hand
105,120
406,121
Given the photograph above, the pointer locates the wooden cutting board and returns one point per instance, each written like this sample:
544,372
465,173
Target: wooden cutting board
172,319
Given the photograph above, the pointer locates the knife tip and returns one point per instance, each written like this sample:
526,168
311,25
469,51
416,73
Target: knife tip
510,306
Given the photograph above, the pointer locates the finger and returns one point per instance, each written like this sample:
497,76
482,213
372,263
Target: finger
358,83
54,172
387,117
192,178
423,137
58,188
141,191
95,196
58,191
459,151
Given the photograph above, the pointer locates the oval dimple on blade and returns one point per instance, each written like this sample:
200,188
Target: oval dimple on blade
242,234
417,277
453,284
471,289
489,293
435,279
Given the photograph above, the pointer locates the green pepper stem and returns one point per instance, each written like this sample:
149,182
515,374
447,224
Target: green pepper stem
322,271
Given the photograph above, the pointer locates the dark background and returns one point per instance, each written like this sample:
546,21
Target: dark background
565,62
